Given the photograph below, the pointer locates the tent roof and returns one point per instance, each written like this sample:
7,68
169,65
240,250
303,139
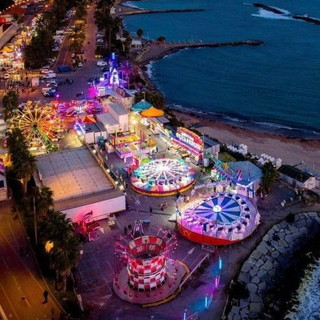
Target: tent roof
141,105
152,112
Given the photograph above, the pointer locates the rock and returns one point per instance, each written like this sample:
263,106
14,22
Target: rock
244,277
283,243
256,254
255,298
244,303
275,254
259,263
253,272
255,307
255,280
263,248
246,267
262,287
235,311
267,266
252,287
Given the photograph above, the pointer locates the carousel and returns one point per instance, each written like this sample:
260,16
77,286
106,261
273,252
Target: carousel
162,177
219,219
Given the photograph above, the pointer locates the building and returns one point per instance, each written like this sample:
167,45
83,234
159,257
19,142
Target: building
93,132
297,177
211,147
80,186
116,120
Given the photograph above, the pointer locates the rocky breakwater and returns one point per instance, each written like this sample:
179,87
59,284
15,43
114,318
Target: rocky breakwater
268,264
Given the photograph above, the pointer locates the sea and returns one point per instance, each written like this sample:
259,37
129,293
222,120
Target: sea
273,87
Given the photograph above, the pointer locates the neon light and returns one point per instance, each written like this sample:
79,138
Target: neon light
206,302
220,263
184,316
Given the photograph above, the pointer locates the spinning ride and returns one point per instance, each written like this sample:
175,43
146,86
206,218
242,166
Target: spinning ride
40,125
222,218
144,273
162,177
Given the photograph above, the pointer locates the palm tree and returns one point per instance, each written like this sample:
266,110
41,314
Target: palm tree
23,162
44,200
139,33
270,176
10,102
64,255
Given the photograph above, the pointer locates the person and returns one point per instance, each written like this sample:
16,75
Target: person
150,210
125,230
45,295
165,205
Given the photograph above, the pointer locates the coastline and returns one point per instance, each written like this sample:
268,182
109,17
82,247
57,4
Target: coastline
291,149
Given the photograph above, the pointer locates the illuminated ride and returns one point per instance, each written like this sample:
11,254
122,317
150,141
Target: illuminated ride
144,273
162,177
220,219
40,125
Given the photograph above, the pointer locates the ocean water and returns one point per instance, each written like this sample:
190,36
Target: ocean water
273,87
308,296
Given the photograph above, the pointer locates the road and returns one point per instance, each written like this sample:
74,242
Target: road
21,286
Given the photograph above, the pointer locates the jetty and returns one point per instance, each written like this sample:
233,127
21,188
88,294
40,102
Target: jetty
158,50
293,16
143,11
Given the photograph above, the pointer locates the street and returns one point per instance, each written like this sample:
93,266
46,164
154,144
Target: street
21,286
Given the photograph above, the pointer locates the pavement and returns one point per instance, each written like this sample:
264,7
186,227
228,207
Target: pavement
21,285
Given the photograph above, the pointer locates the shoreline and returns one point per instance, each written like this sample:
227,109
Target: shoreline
291,149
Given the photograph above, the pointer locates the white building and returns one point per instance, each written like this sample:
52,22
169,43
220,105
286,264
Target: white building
116,120
298,178
80,186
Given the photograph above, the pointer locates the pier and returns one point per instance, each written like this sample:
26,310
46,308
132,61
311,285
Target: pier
143,11
156,51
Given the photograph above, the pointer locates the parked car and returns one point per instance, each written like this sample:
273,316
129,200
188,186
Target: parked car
102,63
51,75
48,94
6,76
46,70
80,64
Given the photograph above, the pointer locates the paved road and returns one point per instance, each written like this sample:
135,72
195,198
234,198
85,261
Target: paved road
21,286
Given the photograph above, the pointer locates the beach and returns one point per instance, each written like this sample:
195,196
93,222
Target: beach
290,150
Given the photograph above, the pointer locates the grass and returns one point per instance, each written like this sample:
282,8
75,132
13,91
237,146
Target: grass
226,157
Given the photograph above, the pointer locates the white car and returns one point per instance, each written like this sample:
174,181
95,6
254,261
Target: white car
46,71
102,63
6,76
51,75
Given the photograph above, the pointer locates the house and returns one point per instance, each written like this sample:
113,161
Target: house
298,178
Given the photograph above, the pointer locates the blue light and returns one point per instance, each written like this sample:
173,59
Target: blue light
220,263
184,316
206,302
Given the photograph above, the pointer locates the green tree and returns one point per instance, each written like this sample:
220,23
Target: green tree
23,162
64,255
10,102
43,200
270,176
139,33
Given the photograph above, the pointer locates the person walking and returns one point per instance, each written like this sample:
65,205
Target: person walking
150,211
45,295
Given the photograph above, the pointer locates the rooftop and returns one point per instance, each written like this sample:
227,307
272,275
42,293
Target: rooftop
208,142
107,119
72,173
250,172
294,173
118,109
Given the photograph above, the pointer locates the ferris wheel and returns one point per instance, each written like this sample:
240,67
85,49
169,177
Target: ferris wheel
40,125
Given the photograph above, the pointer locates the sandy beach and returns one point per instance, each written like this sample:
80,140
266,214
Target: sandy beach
290,150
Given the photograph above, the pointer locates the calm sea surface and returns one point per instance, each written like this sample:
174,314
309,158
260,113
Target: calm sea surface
273,87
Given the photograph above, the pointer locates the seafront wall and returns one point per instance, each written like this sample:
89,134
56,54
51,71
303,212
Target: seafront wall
277,252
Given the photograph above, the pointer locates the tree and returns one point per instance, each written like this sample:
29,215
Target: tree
139,33
270,176
10,102
23,162
161,39
43,200
64,255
